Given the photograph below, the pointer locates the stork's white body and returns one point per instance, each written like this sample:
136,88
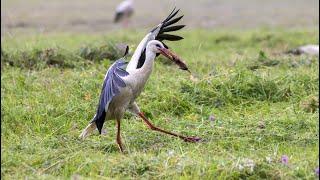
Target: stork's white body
114,101
135,83
124,6
311,49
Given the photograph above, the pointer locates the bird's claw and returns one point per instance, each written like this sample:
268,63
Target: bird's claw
192,139
103,132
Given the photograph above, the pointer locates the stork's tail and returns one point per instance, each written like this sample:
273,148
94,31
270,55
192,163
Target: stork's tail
88,130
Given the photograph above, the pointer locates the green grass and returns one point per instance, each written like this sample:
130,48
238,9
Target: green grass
265,105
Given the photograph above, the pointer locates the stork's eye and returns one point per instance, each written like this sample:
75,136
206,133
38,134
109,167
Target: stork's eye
158,45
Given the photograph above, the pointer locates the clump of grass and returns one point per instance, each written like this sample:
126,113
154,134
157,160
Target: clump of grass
166,101
310,104
267,39
263,60
40,58
109,51
244,85
260,38
226,38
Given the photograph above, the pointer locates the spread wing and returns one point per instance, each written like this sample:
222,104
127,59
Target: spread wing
157,33
111,87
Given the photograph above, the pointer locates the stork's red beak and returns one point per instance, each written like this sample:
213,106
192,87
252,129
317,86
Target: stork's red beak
170,55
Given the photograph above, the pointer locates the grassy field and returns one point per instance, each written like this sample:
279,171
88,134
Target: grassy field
251,104
93,16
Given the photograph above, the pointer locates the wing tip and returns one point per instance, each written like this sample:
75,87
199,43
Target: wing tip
169,37
173,13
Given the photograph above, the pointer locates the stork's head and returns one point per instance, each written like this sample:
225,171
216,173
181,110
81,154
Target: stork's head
158,48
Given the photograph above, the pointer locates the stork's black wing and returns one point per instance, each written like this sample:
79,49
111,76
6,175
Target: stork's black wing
160,32
111,87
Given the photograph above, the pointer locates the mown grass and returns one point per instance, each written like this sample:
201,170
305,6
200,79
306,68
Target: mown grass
264,104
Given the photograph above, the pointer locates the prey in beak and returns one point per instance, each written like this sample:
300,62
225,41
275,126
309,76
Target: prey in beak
177,60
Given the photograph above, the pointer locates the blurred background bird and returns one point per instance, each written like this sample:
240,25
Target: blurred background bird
309,49
123,12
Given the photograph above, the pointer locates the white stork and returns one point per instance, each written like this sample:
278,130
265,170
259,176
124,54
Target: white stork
122,87
310,49
123,12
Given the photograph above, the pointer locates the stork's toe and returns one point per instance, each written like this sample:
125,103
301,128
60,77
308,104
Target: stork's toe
103,132
192,139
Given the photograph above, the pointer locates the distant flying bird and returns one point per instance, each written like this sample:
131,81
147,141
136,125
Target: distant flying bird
121,87
310,49
123,12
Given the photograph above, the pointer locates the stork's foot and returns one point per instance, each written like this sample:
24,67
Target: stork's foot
120,148
192,139
103,132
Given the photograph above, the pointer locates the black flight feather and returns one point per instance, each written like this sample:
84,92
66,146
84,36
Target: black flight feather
172,28
164,27
172,15
168,17
169,37
168,23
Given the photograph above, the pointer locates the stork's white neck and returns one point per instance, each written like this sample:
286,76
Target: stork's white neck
148,64
142,74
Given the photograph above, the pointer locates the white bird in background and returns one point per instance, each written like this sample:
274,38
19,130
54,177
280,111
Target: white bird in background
310,49
122,87
124,11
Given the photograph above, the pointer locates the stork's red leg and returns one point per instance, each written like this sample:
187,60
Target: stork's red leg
118,136
152,127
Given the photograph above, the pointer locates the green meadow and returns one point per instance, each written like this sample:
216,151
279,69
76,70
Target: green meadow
251,104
